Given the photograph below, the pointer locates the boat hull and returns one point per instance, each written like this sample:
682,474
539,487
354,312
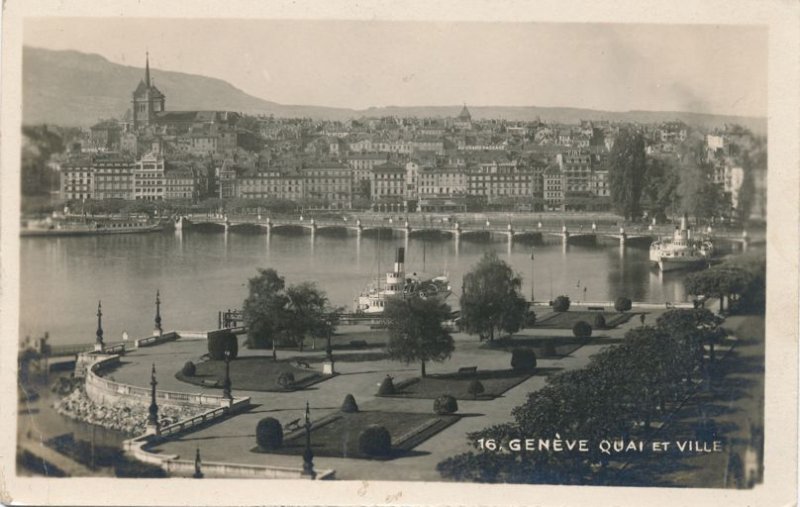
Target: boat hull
88,232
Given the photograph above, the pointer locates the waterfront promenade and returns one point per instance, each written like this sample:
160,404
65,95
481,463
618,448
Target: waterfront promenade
232,439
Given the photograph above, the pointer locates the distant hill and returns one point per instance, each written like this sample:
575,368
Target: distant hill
77,89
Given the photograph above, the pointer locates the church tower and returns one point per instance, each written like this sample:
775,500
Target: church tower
147,100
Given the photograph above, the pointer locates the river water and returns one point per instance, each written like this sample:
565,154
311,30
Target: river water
200,273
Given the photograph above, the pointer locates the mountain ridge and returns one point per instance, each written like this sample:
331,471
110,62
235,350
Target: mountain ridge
72,88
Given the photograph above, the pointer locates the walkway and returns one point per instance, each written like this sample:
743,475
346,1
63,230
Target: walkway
232,439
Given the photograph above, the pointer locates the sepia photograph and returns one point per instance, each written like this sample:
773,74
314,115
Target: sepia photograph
509,253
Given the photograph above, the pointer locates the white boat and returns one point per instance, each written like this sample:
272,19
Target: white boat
373,299
50,227
682,251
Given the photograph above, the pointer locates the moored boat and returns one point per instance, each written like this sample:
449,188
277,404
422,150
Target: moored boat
373,300
682,251
89,227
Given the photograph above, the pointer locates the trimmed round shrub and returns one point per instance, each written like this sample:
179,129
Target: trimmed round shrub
349,405
269,434
445,404
375,441
475,388
599,321
582,329
622,304
561,304
286,379
523,359
387,386
549,348
219,342
189,369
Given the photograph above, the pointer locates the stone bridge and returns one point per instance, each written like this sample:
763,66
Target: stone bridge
470,229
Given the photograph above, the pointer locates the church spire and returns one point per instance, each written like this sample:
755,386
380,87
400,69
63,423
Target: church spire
147,69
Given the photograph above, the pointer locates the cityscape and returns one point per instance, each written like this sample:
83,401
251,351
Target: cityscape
453,293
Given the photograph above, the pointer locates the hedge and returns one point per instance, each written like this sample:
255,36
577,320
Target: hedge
269,434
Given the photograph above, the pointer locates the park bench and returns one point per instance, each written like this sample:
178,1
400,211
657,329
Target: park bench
292,425
596,308
210,383
467,369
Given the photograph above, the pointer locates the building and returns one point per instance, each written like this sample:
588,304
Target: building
260,184
388,188
112,176
106,135
446,181
149,179
576,167
147,100
182,183
330,184
464,119
362,164
553,183
76,179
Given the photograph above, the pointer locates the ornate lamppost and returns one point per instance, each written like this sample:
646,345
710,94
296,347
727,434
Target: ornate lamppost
98,343
226,385
158,330
308,454
153,425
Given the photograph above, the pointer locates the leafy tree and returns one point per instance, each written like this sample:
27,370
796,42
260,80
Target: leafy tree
307,314
561,304
660,186
264,310
694,328
490,300
724,281
626,169
416,330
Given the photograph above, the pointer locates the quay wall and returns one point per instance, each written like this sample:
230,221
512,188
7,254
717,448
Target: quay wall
104,391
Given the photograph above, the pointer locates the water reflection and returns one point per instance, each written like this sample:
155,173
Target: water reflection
199,273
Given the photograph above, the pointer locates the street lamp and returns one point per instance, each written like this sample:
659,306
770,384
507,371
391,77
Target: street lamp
158,329
308,454
226,385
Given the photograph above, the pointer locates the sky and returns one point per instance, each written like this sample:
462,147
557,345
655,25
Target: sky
358,64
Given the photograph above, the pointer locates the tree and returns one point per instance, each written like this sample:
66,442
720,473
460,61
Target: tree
264,310
416,330
307,315
660,187
626,169
724,281
561,304
490,300
694,328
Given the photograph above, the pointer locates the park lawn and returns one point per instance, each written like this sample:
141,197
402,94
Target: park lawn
337,435
565,320
254,373
495,383
545,347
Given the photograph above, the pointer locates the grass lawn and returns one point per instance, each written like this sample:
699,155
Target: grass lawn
495,383
565,320
337,435
549,347
256,373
